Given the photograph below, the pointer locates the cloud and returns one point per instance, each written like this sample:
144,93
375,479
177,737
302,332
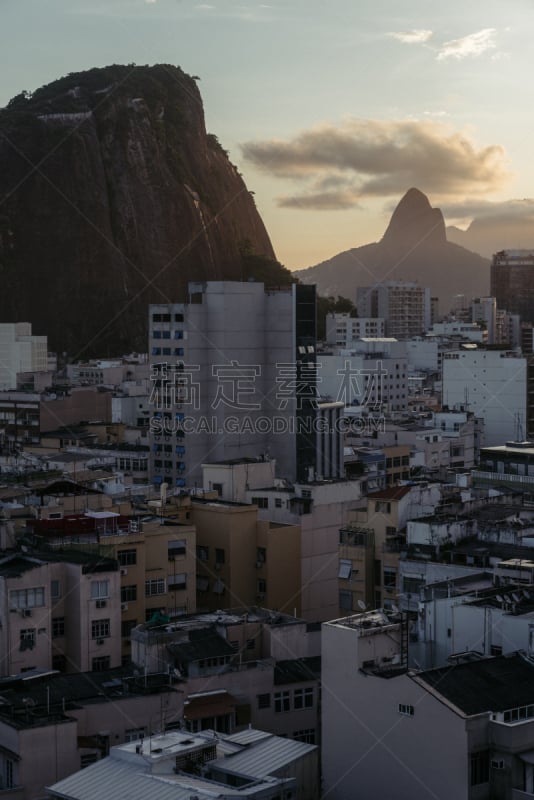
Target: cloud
469,46
320,201
335,166
151,2
415,36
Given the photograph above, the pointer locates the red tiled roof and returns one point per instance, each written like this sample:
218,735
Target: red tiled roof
391,493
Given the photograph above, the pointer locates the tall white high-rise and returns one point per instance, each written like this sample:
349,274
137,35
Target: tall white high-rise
20,352
233,377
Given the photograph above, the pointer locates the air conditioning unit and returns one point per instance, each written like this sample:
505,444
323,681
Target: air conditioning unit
101,603
124,571
26,612
100,641
124,606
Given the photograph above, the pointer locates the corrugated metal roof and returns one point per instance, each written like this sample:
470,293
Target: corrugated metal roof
111,779
264,758
248,736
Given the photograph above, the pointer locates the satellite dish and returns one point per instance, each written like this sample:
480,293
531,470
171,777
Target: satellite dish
395,608
499,598
362,605
516,597
526,594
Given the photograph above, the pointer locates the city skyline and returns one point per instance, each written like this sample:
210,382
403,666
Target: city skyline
330,114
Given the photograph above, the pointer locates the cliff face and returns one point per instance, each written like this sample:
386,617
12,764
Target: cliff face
113,196
413,248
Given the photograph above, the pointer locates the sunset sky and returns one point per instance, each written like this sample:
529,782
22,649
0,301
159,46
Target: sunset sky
331,111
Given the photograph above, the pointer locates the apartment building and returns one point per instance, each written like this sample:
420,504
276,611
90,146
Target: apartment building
227,367
379,720
59,611
243,560
404,306
495,385
20,351
342,329
511,281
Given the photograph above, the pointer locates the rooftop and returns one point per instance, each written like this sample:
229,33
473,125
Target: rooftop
489,685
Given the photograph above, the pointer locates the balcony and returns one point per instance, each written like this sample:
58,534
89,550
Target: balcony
518,794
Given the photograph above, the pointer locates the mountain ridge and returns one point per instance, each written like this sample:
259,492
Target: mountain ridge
414,247
112,196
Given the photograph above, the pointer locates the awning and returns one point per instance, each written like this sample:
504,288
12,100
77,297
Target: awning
210,706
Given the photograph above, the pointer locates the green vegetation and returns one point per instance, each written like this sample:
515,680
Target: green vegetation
329,305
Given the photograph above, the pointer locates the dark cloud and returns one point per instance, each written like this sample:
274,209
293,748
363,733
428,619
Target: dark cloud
321,201
378,158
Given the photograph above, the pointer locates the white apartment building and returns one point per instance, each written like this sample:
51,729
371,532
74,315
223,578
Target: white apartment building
20,352
233,376
372,373
464,732
493,384
342,329
405,307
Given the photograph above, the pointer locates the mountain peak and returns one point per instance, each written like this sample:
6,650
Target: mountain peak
414,222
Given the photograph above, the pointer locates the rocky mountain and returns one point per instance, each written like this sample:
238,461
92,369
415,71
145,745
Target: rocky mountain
493,233
112,196
413,248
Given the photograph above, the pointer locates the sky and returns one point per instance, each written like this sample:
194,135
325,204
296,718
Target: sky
330,110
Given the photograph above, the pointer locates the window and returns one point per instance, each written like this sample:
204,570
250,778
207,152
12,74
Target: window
134,734
251,644
495,650
27,638
306,735
479,768
406,710
99,589
128,593
261,502
264,700
55,590
345,569
219,587
59,662
203,583
281,702
100,663
381,507
154,586
27,598
345,599
278,502
219,555
262,586
261,555
390,577
177,582
9,771
202,553
100,629
303,698
58,627
176,548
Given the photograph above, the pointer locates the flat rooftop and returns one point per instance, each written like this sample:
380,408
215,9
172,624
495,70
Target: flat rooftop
489,685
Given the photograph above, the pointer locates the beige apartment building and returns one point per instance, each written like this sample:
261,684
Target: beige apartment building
369,545
59,611
156,555
244,561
